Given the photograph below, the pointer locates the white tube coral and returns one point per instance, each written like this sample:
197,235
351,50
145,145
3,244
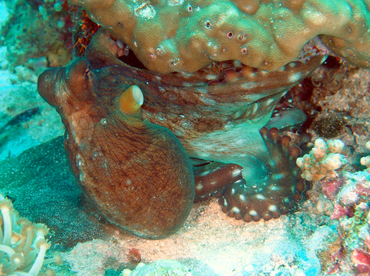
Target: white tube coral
23,244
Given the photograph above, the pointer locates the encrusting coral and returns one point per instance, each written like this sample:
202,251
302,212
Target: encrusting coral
53,42
186,36
23,244
347,196
322,160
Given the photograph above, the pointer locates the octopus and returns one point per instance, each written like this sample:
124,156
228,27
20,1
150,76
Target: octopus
144,146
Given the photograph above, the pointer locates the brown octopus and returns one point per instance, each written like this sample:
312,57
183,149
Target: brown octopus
131,157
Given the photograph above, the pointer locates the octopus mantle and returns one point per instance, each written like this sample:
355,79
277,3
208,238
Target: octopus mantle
135,167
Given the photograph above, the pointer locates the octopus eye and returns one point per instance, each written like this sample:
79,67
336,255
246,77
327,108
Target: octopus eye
131,100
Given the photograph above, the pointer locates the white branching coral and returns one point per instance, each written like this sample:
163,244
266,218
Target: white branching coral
23,244
323,160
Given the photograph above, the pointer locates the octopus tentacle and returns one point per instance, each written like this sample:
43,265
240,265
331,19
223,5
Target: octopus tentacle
279,193
211,179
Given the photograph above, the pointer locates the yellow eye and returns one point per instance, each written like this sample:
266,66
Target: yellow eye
131,100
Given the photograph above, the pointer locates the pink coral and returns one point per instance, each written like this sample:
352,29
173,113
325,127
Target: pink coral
361,259
332,187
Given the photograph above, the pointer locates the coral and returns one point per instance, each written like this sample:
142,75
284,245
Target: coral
340,93
366,160
24,40
83,30
23,245
351,195
312,94
323,160
351,209
329,125
347,198
186,36
361,260
331,186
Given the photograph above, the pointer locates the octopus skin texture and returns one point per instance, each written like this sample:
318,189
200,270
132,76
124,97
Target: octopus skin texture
129,168
135,167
